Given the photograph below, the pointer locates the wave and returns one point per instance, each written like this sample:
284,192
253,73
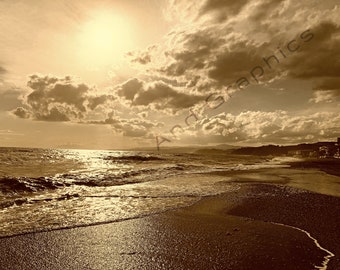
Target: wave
26,184
17,185
134,158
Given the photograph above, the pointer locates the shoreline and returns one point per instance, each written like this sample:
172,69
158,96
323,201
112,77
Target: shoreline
329,166
234,230
317,214
280,218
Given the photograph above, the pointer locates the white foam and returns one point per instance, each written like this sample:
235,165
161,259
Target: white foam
327,258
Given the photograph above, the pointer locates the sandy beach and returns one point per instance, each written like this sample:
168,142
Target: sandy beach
169,135
260,226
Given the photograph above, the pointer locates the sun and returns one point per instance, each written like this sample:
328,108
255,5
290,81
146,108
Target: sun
104,39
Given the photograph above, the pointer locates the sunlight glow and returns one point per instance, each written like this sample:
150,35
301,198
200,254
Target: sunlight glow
104,39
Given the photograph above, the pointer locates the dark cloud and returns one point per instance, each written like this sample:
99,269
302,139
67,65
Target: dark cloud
130,88
223,8
225,43
59,99
22,113
328,84
319,59
56,114
162,96
193,52
157,95
254,47
51,90
95,101
207,61
233,63
62,99
326,90
219,43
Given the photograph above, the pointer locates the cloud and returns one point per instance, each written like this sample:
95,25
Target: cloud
94,102
328,96
59,99
2,70
245,126
22,113
56,99
222,8
319,59
137,128
246,42
9,96
264,127
141,57
52,90
129,89
327,89
220,47
328,84
134,127
156,95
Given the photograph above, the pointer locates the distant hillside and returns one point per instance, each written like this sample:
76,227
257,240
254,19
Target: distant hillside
277,150
216,149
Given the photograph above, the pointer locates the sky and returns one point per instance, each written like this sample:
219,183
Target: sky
116,74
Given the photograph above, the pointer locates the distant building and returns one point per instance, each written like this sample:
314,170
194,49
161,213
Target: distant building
324,152
303,153
337,151
329,150
294,153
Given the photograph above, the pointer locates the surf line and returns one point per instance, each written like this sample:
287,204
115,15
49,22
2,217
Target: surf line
327,258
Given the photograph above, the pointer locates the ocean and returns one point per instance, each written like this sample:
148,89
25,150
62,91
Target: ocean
46,189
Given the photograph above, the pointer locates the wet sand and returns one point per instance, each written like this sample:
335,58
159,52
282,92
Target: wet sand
330,166
230,231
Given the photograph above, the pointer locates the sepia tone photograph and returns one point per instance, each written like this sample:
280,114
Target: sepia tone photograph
169,134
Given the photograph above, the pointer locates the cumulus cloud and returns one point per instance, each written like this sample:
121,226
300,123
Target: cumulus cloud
58,99
233,44
22,113
246,124
156,95
129,89
264,127
222,46
134,127
216,47
141,57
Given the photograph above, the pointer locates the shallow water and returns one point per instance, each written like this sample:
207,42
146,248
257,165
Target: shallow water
42,189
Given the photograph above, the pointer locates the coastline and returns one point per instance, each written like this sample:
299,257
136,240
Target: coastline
329,166
263,225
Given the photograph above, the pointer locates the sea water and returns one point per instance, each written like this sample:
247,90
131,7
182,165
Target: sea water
44,189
